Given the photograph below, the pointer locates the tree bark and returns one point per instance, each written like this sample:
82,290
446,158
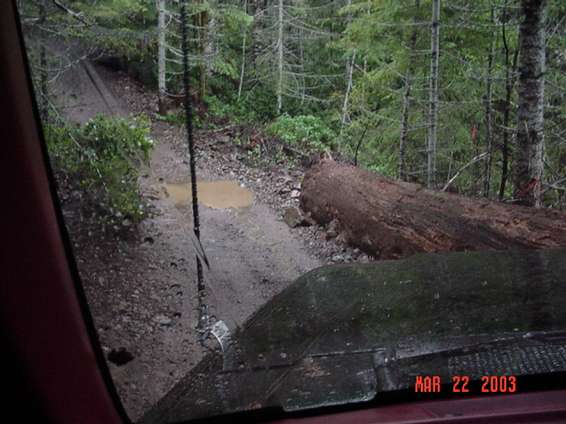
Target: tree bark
433,93
510,69
202,45
43,89
489,111
404,132
243,65
161,59
349,75
390,219
349,83
530,114
279,57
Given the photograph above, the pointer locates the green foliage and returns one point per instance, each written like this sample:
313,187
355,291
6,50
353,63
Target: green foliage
391,42
178,118
104,156
124,30
306,132
119,13
64,150
110,138
219,108
249,109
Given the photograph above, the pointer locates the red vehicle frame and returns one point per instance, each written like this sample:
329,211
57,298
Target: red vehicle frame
54,365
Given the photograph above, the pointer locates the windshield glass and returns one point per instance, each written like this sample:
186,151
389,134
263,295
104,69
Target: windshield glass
297,204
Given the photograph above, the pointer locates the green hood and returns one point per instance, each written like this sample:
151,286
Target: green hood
344,333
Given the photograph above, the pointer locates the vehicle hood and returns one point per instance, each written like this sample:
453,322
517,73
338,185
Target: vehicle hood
343,333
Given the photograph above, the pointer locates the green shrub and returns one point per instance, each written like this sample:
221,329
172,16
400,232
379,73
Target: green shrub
253,106
228,108
112,138
306,132
178,118
103,158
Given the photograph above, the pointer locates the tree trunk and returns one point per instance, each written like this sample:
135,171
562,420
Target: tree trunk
530,114
433,92
349,83
43,89
489,112
349,75
390,219
404,133
161,52
303,87
203,43
510,68
243,65
280,57
257,24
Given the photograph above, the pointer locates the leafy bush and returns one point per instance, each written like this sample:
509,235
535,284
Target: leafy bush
103,157
307,132
225,107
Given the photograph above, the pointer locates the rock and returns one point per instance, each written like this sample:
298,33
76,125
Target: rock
293,217
120,357
342,239
162,320
123,306
295,194
307,220
330,234
332,230
285,179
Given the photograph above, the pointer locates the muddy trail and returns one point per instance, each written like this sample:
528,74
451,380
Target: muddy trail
140,281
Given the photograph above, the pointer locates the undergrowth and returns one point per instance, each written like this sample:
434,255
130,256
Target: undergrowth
102,159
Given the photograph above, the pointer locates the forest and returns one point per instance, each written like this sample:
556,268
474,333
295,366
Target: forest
457,95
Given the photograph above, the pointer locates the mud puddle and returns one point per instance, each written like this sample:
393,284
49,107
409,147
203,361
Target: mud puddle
223,194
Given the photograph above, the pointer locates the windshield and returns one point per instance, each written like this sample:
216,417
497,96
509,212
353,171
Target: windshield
298,204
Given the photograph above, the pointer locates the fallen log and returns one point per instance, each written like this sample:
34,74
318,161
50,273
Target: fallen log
391,219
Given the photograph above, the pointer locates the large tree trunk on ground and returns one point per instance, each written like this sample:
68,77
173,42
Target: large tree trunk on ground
391,219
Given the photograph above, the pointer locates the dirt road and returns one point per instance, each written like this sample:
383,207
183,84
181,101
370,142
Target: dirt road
141,285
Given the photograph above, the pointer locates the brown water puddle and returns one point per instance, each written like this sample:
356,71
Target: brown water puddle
222,194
